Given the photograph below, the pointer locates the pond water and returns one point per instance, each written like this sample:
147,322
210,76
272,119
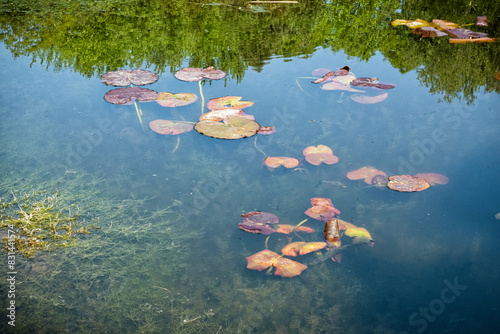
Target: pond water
167,255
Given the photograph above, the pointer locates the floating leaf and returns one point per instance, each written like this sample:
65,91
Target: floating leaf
166,99
124,78
343,225
260,217
443,24
332,230
287,229
338,84
232,127
266,130
360,235
400,22
380,181
465,33
433,178
364,99
165,127
310,247
318,154
221,114
371,82
426,32
232,102
191,74
322,209
472,40
407,183
275,162
340,72
129,94
284,267
417,24
367,173
253,227
482,21
292,249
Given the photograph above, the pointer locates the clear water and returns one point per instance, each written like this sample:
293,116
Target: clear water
433,268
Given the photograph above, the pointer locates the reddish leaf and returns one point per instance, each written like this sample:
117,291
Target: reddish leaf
165,127
266,130
407,183
287,229
465,33
309,247
318,154
322,209
275,162
482,21
292,249
253,227
284,267
433,178
260,217
443,24
371,82
124,78
472,40
428,32
127,95
367,173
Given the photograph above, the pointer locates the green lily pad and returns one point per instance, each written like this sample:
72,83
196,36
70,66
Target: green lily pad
166,99
232,127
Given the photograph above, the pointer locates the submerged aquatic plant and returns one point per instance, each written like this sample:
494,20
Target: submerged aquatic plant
35,222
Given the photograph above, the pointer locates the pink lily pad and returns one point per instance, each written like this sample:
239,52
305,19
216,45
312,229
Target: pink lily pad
192,74
129,94
124,78
228,102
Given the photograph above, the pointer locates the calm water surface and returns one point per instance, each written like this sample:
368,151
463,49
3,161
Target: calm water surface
169,257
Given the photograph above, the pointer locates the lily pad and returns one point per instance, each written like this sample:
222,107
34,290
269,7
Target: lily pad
287,228
166,127
124,78
192,74
221,114
367,99
266,130
318,154
322,209
166,99
367,173
360,235
371,82
284,267
433,178
129,94
275,162
232,127
426,32
228,102
407,183
260,217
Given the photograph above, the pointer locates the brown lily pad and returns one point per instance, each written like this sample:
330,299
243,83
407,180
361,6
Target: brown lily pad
166,99
192,74
407,183
371,82
124,78
129,94
232,127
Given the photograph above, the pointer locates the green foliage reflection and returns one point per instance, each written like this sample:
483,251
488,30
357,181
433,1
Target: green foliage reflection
93,37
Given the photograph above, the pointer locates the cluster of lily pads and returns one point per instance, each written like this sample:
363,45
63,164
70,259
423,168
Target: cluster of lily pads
403,183
322,210
344,80
225,119
440,28
313,154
